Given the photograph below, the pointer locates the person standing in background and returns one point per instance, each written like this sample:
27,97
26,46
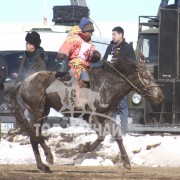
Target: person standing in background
120,50
34,58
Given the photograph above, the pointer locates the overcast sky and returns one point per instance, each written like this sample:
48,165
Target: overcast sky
106,14
101,10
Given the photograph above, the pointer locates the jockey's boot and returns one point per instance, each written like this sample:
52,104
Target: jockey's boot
81,99
81,95
83,84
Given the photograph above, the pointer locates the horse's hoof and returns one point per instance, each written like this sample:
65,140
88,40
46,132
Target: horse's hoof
44,169
126,162
127,166
47,170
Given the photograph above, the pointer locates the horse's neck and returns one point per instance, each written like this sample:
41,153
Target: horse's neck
125,89
50,78
128,87
111,87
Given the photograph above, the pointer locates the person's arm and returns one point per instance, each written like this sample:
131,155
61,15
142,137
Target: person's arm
94,55
108,51
131,54
40,65
45,59
65,51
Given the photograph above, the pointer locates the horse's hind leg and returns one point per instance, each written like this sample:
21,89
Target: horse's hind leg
47,152
37,117
39,163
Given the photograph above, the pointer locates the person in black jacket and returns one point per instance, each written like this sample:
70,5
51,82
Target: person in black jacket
3,76
34,58
120,50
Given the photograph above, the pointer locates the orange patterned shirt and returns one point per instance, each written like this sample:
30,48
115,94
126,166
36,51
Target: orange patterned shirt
78,50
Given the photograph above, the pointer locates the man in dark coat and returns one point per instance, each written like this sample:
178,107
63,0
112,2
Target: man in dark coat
3,76
120,50
34,58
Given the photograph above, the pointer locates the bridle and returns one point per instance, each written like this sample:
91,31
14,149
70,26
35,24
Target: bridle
134,85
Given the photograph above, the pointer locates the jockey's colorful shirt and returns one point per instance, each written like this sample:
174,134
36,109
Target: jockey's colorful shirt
78,50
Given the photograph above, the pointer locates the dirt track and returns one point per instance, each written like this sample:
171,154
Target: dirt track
30,172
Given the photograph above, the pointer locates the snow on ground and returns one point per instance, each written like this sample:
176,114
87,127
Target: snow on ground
143,150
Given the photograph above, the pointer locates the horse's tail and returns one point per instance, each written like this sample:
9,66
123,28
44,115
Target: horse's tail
19,112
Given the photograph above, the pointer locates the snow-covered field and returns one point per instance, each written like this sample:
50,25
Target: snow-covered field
143,150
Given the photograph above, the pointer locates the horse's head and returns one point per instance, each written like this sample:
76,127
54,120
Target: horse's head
142,81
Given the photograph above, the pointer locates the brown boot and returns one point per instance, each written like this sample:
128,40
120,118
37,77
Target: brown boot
83,84
81,101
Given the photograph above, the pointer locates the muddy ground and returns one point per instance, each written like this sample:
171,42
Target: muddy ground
30,172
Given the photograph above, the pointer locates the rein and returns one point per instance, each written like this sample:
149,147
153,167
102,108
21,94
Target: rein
127,80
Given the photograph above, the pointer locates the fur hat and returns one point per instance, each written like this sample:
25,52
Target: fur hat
33,38
86,25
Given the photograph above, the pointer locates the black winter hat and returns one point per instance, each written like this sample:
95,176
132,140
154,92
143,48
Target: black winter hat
33,38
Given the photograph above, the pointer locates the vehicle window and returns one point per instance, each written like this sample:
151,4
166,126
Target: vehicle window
13,59
148,47
52,61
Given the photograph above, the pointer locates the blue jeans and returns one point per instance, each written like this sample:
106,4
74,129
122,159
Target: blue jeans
123,112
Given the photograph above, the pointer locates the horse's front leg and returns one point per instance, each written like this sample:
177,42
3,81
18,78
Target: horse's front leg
47,152
88,147
98,127
115,131
39,163
124,156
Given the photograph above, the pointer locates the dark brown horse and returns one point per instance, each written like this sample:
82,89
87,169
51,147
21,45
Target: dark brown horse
41,91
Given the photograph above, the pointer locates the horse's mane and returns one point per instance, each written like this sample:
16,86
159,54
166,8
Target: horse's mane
125,67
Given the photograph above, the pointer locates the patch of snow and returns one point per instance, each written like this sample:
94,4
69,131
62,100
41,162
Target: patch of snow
54,113
137,161
91,162
13,153
107,162
64,144
97,162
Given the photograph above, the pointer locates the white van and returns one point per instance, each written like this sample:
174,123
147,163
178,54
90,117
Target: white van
12,47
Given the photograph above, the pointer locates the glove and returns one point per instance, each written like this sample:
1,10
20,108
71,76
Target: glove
61,57
96,56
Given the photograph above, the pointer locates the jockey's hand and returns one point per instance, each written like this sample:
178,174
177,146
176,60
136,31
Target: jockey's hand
61,57
96,56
